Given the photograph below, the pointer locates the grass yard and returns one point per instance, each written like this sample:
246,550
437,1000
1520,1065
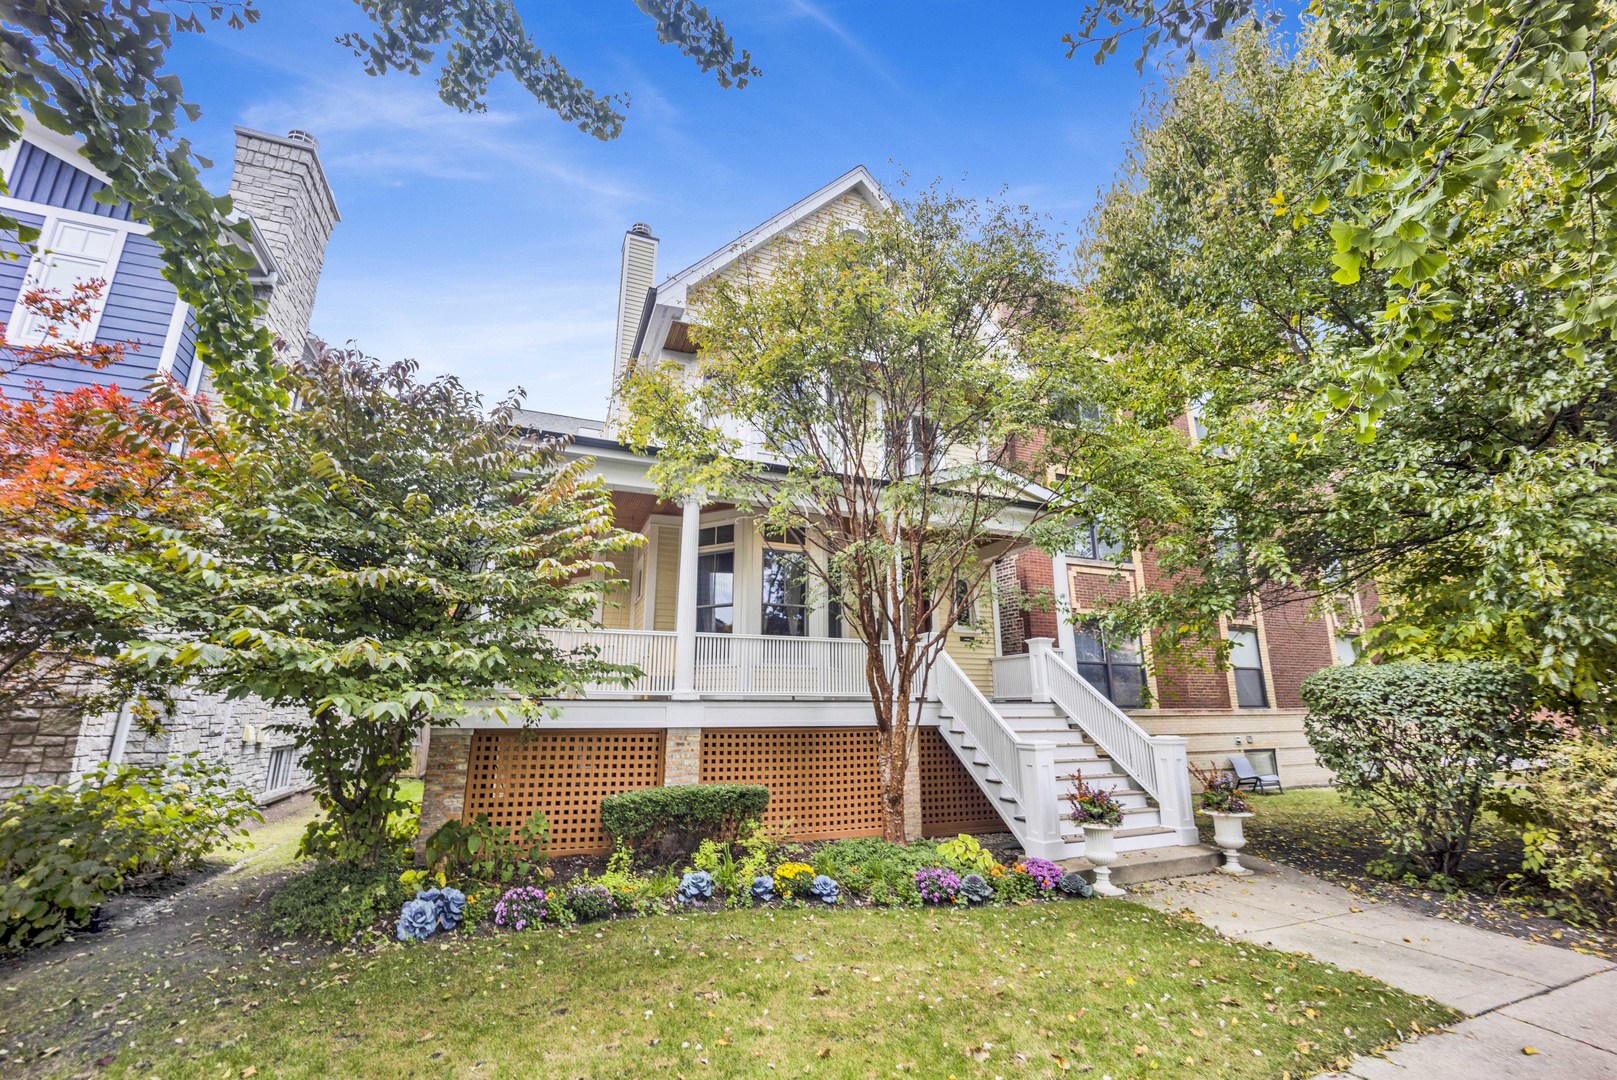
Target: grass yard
1101,987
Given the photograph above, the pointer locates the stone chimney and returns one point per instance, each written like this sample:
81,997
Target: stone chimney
639,271
279,183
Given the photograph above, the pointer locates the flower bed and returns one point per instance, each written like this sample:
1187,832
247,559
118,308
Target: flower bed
757,869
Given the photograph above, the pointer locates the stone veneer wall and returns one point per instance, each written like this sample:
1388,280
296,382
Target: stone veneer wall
38,746
207,724
55,746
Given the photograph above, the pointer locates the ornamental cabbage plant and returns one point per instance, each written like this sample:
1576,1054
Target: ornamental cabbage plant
694,886
417,920
1075,884
763,888
824,889
975,889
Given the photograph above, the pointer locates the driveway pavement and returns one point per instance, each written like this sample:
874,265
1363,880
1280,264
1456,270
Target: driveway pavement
1535,1010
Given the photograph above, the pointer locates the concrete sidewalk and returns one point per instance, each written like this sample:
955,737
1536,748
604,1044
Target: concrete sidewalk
1560,1005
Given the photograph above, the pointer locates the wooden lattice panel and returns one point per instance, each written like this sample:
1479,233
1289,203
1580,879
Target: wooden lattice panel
951,802
822,780
565,774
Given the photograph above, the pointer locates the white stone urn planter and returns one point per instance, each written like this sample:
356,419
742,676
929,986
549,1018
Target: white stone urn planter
1100,848
1230,837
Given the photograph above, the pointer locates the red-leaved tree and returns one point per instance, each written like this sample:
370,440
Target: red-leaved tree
84,475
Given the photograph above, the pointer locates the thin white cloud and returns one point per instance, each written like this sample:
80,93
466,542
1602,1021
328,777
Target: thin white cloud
382,130
854,44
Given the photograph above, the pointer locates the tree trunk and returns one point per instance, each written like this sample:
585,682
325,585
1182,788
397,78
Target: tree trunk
893,770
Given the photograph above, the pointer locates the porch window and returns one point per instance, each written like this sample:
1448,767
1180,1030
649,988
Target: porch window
785,593
1250,689
715,580
1110,663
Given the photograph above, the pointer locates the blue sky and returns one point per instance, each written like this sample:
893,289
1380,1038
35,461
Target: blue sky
487,246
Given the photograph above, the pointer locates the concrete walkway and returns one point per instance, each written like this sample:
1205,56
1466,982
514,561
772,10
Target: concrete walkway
1536,1010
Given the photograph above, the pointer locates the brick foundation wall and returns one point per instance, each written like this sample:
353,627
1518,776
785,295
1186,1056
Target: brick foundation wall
443,796
682,756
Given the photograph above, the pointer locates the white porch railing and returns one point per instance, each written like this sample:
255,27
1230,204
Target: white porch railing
1013,677
727,665
1026,770
651,651
744,665
1158,763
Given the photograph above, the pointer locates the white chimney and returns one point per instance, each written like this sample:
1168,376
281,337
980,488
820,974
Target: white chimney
638,272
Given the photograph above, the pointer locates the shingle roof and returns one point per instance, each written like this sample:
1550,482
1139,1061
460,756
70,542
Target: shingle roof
557,423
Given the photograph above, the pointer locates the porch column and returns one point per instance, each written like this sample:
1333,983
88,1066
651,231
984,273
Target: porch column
1066,639
685,601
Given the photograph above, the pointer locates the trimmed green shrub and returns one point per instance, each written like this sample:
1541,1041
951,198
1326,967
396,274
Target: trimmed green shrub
1420,745
675,819
336,900
1568,813
65,850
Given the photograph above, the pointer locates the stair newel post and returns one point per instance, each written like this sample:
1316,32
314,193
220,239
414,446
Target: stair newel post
1172,761
1040,800
1038,650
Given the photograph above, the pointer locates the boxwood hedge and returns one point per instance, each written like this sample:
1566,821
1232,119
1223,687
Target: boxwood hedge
665,819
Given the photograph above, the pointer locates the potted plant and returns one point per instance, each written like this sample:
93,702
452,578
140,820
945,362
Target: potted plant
1099,814
1223,802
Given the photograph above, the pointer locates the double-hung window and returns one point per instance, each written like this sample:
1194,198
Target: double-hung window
1110,663
715,580
785,592
1251,690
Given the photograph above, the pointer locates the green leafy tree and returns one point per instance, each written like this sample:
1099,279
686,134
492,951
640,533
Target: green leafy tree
1479,502
1458,121
386,557
878,369
96,69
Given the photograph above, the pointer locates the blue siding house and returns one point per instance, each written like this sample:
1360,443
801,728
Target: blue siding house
280,189
278,185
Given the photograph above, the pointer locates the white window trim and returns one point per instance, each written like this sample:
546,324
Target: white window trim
171,340
47,234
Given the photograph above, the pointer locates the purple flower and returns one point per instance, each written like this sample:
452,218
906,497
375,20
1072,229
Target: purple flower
937,884
521,907
1043,871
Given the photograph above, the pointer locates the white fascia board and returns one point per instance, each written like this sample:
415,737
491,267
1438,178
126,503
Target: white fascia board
622,470
675,288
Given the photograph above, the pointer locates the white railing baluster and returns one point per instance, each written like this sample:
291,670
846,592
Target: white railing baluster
1156,762
1026,770
1013,677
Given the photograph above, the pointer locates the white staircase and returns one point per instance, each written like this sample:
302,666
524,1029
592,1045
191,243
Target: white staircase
1021,754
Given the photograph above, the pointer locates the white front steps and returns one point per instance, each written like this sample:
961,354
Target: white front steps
1037,722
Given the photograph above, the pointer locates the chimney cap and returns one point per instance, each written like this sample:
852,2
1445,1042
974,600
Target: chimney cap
640,228
299,135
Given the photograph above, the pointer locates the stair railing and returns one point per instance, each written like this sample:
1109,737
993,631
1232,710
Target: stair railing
1027,769
1158,763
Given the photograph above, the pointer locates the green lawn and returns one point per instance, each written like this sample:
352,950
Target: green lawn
1101,987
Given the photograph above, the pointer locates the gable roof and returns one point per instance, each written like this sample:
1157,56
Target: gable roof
857,180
